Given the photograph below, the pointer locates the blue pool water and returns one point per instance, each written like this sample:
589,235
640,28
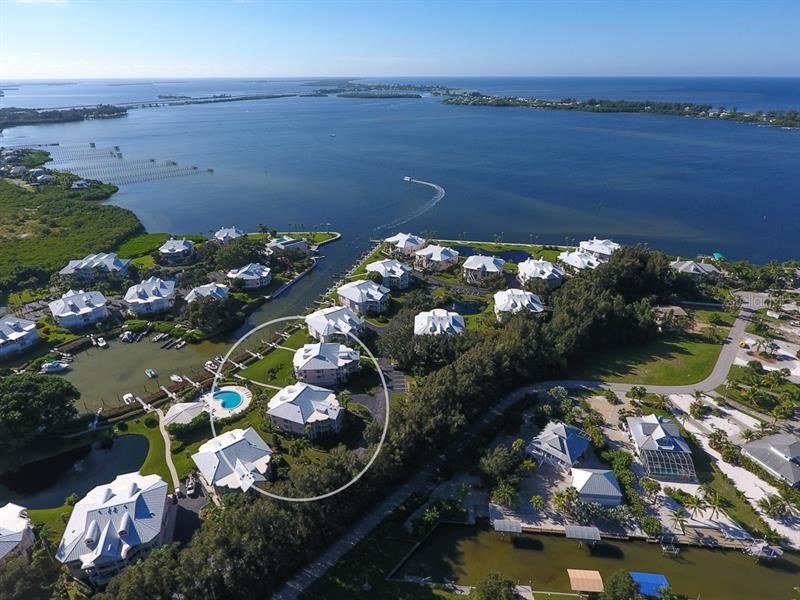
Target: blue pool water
228,398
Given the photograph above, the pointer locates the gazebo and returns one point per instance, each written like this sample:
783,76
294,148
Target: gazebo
761,549
650,584
584,581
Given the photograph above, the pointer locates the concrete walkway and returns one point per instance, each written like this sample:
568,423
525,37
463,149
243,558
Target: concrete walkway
176,482
298,584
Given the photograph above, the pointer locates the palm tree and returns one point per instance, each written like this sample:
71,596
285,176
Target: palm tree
537,503
504,494
749,435
764,428
678,519
714,502
698,395
774,506
694,504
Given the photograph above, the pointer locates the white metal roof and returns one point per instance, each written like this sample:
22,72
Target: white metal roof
13,328
250,272
595,482
77,303
437,253
579,259
334,319
389,267
303,403
318,357
173,246
363,290
438,322
14,522
228,233
539,269
217,291
486,264
516,300
150,290
405,241
235,459
105,261
113,518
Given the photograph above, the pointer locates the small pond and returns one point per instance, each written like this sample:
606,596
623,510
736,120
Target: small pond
45,484
516,256
464,554
466,307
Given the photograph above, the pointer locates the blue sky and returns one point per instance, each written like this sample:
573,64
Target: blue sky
186,38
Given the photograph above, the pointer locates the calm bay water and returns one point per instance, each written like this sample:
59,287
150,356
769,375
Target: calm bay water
682,185
685,186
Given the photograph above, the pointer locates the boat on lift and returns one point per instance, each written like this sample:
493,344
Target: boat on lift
53,366
151,373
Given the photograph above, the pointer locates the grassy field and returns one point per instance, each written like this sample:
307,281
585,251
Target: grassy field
45,228
670,359
713,317
536,251
54,519
275,369
155,462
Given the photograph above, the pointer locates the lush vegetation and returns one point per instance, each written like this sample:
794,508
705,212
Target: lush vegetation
33,406
14,117
252,545
782,118
40,231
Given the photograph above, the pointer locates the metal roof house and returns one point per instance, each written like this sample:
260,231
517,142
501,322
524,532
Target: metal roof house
114,525
435,258
152,295
306,409
77,309
477,267
289,245
395,274
16,534
539,269
88,268
691,267
364,297
405,243
223,235
234,460
325,364
601,249
215,291
16,335
779,454
515,300
559,444
251,276
579,260
597,485
176,250
333,324
661,448
183,412
438,322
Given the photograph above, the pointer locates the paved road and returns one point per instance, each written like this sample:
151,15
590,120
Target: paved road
293,588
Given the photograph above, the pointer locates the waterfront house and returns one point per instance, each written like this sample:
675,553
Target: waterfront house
95,266
16,535
405,244
600,249
77,309
597,485
16,335
151,296
234,460
539,269
115,525
579,260
289,245
671,318
79,185
515,300
252,276
661,448
224,235
325,364
394,273
332,324
45,179
17,171
215,291
559,444
438,322
435,258
36,172
176,251
306,409
691,267
779,454
477,268
364,297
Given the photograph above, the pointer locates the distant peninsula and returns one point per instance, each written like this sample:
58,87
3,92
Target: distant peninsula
14,117
786,119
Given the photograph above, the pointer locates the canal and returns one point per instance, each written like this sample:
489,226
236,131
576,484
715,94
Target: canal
45,484
104,376
463,554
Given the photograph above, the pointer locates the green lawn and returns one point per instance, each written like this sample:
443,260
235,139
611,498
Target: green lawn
155,462
275,368
713,317
373,256
298,339
54,519
670,359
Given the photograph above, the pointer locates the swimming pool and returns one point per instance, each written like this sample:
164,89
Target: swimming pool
229,399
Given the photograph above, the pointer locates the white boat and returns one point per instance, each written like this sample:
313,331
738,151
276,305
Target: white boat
176,378
151,373
180,344
101,342
128,398
126,336
54,366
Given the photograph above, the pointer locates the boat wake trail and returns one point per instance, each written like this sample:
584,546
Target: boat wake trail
419,211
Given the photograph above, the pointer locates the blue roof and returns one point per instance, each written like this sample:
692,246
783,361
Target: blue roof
650,584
